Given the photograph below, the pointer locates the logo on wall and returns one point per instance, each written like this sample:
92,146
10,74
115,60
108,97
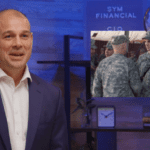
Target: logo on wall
116,15
147,20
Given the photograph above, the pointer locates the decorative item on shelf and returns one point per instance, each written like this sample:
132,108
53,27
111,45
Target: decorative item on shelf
146,120
86,106
106,116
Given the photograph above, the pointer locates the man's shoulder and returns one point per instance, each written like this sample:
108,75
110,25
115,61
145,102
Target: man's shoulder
44,84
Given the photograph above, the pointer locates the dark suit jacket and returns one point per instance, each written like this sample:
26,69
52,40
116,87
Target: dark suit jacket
47,126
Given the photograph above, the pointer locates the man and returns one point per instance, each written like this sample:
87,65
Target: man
144,67
143,61
109,49
102,56
117,76
133,56
94,60
31,110
94,56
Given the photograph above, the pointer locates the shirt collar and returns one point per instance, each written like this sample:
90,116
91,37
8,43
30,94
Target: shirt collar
25,75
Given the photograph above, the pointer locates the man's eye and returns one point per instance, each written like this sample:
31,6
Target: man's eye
24,35
8,36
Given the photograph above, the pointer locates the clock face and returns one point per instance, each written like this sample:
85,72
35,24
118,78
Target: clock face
106,117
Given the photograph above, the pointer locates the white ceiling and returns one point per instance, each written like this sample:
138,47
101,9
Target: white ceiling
106,35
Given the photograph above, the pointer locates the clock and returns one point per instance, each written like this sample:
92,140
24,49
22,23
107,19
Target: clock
106,116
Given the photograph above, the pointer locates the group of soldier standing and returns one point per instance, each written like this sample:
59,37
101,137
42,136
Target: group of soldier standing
119,76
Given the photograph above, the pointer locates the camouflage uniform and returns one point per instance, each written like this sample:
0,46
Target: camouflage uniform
133,58
116,76
143,64
146,85
94,61
101,57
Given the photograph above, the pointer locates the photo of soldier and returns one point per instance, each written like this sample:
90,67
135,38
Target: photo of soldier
133,56
117,75
109,49
94,60
102,55
143,61
144,67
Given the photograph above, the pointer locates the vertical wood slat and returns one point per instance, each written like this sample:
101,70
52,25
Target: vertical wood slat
67,83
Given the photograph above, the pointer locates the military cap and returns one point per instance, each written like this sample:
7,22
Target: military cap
93,46
116,40
147,35
108,45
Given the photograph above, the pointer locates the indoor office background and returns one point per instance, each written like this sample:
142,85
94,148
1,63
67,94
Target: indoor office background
50,21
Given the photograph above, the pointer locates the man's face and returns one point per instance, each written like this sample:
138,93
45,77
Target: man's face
147,44
92,51
15,39
108,52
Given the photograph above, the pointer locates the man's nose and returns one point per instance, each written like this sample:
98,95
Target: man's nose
17,42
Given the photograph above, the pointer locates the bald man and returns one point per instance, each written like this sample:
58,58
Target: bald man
31,110
116,75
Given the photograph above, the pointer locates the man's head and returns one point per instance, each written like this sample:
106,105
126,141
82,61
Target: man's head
119,44
15,39
146,38
109,49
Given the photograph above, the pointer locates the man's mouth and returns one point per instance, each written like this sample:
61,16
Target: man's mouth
16,54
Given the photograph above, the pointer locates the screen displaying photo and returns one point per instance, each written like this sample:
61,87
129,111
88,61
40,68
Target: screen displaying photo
119,63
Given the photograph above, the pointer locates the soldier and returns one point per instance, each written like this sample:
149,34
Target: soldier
143,62
146,85
144,67
94,60
102,56
133,56
109,49
117,76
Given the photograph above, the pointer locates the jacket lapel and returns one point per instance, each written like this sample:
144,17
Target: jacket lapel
4,127
35,103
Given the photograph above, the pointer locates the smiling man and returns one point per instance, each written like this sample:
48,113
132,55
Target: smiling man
31,111
15,44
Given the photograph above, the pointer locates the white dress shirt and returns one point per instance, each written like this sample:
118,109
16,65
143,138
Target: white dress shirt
16,104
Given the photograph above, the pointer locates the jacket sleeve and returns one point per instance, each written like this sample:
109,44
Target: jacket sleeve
134,79
59,139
